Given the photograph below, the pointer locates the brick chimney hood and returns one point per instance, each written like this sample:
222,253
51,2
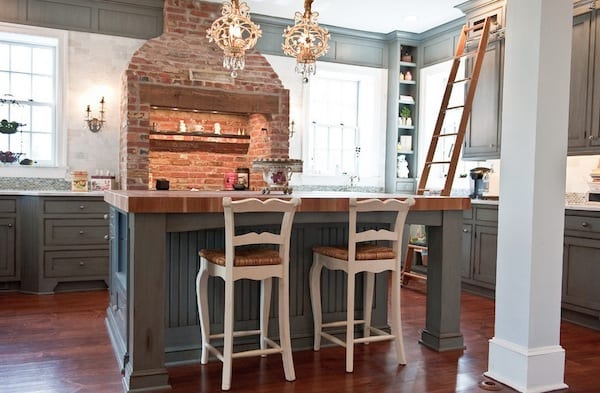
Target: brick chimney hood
179,77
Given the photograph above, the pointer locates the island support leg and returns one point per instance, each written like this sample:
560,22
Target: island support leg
442,325
145,371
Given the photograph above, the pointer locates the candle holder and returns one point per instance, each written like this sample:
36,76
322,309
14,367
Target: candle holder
95,123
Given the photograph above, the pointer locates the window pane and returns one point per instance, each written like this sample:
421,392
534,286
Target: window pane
43,61
20,86
19,143
44,88
39,146
4,77
20,59
21,114
41,119
3,142
4,111
4,51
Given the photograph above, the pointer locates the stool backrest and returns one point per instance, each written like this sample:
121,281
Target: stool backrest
394,234
253,205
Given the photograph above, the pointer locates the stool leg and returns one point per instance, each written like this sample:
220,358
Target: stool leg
202,298
265,307
368,302
284,328
396,320
315,299
228,335
350,322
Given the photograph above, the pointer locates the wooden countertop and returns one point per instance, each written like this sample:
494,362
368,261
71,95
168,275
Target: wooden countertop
211,201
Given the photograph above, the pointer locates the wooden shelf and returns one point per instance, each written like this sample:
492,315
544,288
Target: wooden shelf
407,64
200,134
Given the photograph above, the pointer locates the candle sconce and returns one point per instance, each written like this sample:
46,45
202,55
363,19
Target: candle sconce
95,123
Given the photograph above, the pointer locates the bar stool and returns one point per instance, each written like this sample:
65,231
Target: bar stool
362,255
261,261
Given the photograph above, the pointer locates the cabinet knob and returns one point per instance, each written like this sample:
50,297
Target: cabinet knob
81,207
105,237
585,224
591,137
10,225
465,230
81,232
81,263
106,216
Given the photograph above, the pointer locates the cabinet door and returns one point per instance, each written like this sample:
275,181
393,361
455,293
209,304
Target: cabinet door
484,260
594,137
7,248
581,269
467,241
580,93
482,139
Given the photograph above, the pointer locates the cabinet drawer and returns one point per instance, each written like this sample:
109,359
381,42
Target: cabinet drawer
582,223
8,205
468,214
85,263
52,206
486,214
75,232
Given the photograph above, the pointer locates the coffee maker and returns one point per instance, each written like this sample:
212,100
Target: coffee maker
480,184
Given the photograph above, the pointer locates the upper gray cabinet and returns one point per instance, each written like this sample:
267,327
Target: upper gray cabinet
482,138
584,105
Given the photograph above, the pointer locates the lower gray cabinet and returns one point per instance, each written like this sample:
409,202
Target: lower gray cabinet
65,246
480,245
581,268
9,267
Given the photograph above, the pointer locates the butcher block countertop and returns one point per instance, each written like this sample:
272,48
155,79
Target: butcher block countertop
211,201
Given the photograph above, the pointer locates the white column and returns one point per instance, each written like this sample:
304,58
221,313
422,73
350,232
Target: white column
525,352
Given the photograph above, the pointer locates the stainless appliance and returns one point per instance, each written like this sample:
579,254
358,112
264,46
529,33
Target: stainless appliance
480,183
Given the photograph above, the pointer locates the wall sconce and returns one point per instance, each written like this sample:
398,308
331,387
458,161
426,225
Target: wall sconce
95,124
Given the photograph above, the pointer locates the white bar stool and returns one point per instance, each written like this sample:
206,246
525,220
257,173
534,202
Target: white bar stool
256,263
363,255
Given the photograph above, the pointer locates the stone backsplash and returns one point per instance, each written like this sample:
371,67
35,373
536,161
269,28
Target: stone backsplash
34,184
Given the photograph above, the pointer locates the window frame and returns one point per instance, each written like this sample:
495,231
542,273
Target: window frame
37,35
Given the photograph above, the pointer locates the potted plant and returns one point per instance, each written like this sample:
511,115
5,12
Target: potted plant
9,127
405,114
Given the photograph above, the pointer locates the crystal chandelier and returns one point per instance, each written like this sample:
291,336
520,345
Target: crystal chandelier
306,41
234,33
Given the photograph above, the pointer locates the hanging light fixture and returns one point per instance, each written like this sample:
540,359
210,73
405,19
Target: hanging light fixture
306,41
234,33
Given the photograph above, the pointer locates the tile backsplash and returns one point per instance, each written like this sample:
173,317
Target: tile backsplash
33,183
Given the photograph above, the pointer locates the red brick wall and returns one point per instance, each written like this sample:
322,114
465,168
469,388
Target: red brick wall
167,60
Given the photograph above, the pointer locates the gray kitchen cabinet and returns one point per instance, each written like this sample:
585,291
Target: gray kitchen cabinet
402,98
66,247
581,268
482,138
9,267
480,245
584,104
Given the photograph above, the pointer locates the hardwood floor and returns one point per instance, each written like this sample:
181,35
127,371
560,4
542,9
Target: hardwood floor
58,344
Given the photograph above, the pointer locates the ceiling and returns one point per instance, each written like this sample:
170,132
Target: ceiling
381,16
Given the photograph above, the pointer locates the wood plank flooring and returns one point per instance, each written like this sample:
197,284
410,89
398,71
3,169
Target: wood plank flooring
58,344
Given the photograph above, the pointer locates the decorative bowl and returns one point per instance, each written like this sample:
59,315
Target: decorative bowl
277,173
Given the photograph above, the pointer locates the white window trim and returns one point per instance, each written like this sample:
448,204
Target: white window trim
60,170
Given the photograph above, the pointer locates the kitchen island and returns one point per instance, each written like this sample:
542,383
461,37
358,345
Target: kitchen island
154,239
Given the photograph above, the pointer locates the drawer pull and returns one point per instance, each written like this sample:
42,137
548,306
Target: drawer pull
81,232
81,207
105,237
81,263
585,224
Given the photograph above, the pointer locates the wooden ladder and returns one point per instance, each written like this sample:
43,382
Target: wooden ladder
466,108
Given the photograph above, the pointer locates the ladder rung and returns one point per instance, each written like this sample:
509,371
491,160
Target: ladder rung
437,162
448,134
455,107
476,26
465,55
461,80
422,189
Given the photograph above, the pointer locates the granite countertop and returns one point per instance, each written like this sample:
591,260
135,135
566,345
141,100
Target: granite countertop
587,206
53,193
